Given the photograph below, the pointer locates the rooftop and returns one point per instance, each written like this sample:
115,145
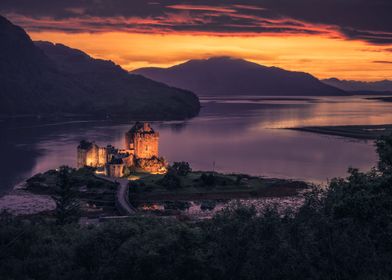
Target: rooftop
141,127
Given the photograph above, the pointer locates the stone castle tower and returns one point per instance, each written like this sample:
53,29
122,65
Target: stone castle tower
142,141
140,153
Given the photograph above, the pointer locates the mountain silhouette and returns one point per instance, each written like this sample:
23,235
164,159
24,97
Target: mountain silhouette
231,76
384,86
41,77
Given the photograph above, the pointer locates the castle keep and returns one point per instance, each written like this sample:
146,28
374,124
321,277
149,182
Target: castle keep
140,154
142,141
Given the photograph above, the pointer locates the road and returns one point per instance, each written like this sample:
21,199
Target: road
122,202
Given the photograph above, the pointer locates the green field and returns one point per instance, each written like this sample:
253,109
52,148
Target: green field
225,186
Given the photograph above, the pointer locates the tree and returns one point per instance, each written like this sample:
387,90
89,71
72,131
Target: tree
208,180
67,206
384,150
181,168
171,181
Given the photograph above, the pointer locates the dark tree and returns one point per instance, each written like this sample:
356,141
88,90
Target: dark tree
208,180
384,150
181,168
171,181
67,206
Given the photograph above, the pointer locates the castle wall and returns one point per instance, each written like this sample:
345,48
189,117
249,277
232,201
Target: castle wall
146,145
102,156
94,157
81,158
142,141
129,141
115,170
129,161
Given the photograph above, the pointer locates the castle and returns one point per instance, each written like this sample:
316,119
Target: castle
140,154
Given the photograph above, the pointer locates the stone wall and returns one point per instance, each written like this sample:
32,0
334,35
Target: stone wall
94,156
115,170
81,158
146,145
142,141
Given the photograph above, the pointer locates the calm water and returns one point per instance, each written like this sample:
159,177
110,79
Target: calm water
239,135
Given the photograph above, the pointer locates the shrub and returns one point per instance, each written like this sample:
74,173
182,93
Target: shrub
208,180
177,205
181,168
171,181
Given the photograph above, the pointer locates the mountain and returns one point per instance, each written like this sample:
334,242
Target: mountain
358,86
41,77
230,76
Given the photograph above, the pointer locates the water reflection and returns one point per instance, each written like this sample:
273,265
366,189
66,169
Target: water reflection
238,134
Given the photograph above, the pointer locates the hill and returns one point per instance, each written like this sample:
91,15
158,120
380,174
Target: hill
378,87
230,76
44,78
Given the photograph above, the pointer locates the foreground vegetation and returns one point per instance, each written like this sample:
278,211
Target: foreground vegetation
342,232
181,183
95,196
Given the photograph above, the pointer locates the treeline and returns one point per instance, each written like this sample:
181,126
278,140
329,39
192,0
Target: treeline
342,232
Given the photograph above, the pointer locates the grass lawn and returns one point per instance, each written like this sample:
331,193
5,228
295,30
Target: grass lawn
226,186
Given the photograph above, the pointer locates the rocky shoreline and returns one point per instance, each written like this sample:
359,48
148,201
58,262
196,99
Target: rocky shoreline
19,201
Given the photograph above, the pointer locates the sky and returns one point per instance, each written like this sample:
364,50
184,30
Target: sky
348,39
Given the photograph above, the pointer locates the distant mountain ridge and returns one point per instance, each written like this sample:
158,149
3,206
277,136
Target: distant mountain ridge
46,78
231,76
360,86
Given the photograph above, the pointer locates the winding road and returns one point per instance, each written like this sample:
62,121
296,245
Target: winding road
122,202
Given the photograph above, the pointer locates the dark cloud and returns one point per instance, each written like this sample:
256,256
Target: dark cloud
367,20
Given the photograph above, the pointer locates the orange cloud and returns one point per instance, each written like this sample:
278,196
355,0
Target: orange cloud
320,55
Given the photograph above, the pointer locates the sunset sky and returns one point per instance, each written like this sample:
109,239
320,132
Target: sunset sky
349,39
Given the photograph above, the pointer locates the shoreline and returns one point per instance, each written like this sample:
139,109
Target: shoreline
19,201
360,132
383,99
24,201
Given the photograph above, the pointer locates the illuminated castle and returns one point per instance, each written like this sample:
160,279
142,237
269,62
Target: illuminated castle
142,141
140,154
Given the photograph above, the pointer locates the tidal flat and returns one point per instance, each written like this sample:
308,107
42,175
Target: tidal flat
365,132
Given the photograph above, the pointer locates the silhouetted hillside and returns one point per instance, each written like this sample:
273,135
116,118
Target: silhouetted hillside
48,78
229,76
383,87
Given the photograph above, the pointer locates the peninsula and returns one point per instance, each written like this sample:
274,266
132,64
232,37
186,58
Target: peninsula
134,179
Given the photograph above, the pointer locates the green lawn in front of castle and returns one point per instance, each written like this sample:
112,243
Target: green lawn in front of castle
192,186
